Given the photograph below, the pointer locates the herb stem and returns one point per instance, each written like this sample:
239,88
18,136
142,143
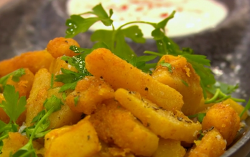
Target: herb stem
132,22
51,110
214,97
6,127
153,53
235,99
119,28
3,137
113,38
238,100
222,99
245,108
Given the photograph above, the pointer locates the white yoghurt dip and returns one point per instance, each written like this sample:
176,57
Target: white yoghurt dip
192,16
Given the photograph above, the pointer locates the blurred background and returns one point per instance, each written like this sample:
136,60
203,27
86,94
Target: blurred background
28,25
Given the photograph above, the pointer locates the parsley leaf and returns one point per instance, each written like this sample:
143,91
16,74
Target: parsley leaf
102,15
78,24
120,48
101,36
140,62
12,105
77,49
70,78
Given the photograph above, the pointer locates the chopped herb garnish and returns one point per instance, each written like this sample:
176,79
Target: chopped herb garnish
185,83
168,65
76,100
15,76
77,49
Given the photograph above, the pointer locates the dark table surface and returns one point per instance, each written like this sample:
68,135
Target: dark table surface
28,25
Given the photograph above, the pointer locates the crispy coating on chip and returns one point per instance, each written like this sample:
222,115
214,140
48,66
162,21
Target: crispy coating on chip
114,124
64,116
182,77
89,92
60,46
23,86
32,60
113,151
225,119
55,69
120,74
38,94
167,124
211,145
13,143
237,107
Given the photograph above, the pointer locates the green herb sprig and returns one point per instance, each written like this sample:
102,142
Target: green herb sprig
222,91
70,78
14,106
39,128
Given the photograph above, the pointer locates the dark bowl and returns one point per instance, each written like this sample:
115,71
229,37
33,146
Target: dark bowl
29,25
